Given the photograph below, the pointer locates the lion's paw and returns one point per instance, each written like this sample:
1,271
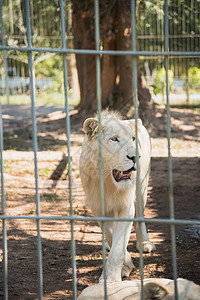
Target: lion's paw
107,246
126,270
147,247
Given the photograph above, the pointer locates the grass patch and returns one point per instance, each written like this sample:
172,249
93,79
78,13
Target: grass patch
44,172
41,98
50,197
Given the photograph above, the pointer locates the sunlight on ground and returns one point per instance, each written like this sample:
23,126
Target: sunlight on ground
42,98
54,200
179,148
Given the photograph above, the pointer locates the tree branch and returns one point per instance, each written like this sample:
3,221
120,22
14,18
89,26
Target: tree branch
43,57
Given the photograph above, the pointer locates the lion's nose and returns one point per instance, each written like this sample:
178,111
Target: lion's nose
133,158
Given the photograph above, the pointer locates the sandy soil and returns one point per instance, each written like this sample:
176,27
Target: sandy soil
54,196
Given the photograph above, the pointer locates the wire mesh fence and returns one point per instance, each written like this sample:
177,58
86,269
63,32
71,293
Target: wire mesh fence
30,49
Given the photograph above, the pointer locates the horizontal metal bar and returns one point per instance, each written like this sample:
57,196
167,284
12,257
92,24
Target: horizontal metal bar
108,52
70,218
161,37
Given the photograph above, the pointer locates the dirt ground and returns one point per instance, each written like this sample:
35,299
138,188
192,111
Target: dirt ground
54,198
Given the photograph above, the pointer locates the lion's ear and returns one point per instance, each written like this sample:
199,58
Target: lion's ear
132,123
139,122
90,127
154,291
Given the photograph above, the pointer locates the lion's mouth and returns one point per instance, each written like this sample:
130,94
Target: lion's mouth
122,175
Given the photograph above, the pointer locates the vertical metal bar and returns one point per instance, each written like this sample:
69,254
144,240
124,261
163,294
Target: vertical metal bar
98,94
35,146
3,206
135,99
73,246
4,52
171,196
3,199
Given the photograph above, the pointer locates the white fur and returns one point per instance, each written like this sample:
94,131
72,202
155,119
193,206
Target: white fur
119,197
154,288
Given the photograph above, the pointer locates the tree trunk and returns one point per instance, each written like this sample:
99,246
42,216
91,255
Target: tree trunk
73,81
123,29
125,90
108,71
116,71
84,38
146,103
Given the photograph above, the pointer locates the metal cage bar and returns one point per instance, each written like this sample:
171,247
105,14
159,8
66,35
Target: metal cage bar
99,219
3,198
3,207
65,74
4,51
135,102
109,52
35,148
171,196
98,95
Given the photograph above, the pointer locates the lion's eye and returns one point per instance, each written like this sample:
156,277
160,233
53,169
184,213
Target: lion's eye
133,138
115,139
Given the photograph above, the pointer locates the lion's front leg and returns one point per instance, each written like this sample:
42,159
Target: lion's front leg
142,236
127,265
119,261
147,246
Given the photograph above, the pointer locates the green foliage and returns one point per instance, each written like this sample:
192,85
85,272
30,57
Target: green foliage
155,89
160,80
184,30
149,17
184,21
193,77
51,67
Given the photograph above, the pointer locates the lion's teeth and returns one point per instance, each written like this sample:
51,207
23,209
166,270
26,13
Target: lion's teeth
121,173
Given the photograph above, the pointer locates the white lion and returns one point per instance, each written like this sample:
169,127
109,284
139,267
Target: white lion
154,288
119,182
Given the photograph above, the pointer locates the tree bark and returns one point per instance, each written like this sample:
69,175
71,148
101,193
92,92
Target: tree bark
108,71
125,89
123,29
116,71
84,38
146,103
